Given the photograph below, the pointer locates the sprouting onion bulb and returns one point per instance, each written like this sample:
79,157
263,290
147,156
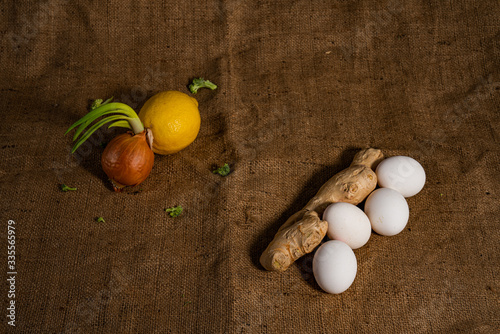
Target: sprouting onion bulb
127,159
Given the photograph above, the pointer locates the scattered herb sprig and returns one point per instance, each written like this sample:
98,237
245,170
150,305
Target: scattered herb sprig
174,211
97,103
223,171
201,83
67,188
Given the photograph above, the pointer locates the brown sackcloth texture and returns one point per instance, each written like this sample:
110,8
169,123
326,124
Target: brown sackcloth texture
303,85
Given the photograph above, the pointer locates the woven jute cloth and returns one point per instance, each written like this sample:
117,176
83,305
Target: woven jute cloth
302,86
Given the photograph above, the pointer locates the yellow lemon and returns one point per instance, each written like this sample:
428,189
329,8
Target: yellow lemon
174,119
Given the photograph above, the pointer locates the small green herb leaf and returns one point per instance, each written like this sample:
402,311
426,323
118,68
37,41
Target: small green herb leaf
97,103
223,171
66,188
100,220
174,211
201,83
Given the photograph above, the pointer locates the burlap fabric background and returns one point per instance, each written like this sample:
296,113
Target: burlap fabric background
302,86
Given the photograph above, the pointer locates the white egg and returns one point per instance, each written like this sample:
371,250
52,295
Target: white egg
347,223
387,210
334,266
400,173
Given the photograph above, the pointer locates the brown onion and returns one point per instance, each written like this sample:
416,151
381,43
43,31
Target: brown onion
128,159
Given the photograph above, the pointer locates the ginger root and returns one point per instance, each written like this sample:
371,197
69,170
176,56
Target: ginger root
304,230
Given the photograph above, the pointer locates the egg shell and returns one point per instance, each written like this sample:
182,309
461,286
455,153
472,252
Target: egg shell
387,210
347,223
401,173
334,266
